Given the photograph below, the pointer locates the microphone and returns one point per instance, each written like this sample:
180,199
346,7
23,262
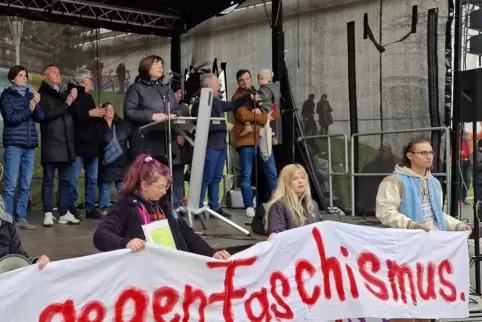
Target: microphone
173,74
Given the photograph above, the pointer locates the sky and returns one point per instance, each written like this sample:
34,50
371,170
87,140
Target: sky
468,127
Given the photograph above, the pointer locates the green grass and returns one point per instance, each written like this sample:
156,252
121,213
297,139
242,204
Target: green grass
342,184
116,99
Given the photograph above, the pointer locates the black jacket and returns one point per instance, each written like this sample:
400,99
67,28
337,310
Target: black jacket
124,223
280,217
87,135
9,239
57,128
117,169
324,110
478,176
308,109
217,132
143,99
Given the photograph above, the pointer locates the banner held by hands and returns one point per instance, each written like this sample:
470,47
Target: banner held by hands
323,272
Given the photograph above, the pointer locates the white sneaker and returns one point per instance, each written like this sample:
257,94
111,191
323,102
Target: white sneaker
68,218
250,212
48,220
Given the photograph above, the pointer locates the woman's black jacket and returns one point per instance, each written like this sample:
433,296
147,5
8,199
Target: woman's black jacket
124,223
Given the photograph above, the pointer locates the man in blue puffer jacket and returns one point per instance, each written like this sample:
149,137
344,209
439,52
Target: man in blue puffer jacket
20,109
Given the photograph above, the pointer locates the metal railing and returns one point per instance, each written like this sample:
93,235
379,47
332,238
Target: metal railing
427,129
330,173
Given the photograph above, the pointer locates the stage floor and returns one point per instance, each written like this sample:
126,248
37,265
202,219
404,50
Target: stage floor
68,241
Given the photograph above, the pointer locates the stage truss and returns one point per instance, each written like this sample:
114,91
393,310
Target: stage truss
152,22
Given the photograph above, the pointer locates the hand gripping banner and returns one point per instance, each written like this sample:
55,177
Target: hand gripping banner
324,272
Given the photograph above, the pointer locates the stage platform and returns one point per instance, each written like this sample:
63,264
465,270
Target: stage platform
68,241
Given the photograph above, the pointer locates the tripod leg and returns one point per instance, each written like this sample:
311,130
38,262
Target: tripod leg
189,217
190,221
202,219
229,222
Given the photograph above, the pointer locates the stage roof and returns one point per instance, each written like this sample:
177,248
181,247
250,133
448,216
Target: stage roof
160,17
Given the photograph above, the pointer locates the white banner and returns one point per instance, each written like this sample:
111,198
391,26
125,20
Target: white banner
321,272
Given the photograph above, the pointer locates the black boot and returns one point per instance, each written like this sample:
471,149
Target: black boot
92,214
222,213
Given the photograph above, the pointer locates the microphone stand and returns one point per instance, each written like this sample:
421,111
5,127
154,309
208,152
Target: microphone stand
167,100
253,92
255,157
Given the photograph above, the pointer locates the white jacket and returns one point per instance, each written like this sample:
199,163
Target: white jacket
388,201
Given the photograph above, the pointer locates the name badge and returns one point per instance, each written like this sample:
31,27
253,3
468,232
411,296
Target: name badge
159,233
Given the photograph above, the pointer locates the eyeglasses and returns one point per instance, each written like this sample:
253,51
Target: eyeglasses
165,188
425,153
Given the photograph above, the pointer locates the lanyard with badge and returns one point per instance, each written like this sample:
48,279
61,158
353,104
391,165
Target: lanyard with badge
157,232
145,215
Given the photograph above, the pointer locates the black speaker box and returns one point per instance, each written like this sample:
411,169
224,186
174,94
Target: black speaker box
470,95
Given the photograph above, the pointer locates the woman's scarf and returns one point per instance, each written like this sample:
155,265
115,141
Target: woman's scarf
20,89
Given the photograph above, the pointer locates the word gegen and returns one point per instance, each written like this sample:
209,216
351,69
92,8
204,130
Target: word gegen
402,282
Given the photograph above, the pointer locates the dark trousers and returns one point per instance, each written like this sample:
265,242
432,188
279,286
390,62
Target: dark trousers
310,126
324,128
178,184
466,178
91,171
65,174
212,176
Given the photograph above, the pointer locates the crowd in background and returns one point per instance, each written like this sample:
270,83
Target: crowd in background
324,112
74,135
77,134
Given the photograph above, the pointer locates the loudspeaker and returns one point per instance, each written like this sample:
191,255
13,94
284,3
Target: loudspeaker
470,82
12,262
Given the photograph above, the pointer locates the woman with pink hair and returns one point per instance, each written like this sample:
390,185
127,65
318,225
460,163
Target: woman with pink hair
145,183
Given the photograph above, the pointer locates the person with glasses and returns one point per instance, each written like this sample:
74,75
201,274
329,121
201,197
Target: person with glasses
88,124
146,182
411,197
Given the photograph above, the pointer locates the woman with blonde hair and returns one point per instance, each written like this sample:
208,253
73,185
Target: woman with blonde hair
291,205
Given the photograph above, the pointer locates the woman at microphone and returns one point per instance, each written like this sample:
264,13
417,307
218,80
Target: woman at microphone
146,182
146,102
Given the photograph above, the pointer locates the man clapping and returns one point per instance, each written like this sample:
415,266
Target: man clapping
57,135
